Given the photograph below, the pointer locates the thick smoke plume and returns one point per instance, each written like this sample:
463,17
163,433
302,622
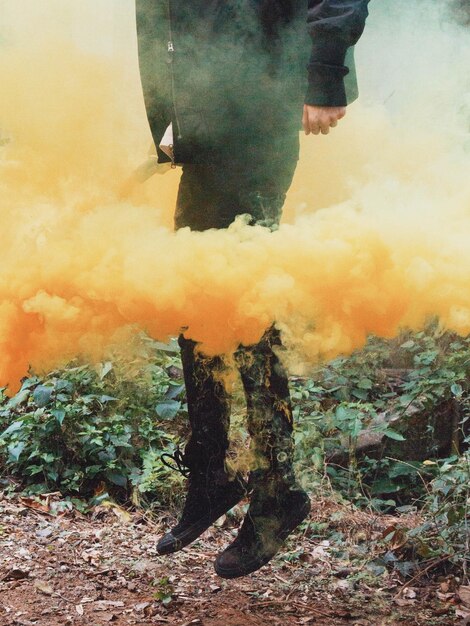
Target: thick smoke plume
377,223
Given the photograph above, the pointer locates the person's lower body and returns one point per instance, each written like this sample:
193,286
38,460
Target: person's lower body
211,196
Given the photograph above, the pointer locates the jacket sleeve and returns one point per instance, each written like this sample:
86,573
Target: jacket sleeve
334,26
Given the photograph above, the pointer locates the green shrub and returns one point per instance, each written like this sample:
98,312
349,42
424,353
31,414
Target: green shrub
346,397
82,430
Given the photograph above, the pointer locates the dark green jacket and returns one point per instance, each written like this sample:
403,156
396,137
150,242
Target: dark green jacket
224,70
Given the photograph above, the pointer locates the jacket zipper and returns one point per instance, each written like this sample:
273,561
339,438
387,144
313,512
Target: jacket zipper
171,50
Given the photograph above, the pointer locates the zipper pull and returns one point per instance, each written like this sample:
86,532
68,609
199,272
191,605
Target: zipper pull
171,47
172,157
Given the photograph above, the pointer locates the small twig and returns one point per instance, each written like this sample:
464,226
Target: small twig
281,579
425,484
59,595
289,595
455,426
195,554
421,573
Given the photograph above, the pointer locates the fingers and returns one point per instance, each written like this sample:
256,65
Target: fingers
315,127
325,127
318,120
318,126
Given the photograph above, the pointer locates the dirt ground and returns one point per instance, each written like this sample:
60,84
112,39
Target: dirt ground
69,569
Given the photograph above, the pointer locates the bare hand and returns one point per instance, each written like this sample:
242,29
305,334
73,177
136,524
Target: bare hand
318,120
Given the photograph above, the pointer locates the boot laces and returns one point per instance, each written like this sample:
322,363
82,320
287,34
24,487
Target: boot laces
178,464
196,495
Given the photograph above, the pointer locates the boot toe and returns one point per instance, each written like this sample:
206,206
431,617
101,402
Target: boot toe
168,544
227,560
232,563
261,537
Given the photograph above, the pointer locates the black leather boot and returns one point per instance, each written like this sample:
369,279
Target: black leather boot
278,504
212,491
276,509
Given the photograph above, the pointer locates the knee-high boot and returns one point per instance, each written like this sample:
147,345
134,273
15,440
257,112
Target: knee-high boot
277,502
211,490
269,409
208,409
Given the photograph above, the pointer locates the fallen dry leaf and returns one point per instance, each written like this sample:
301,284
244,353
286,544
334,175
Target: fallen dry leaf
103,605
124,516
445,587
465,615
92,556
464,595
43,587
445,597
35,505
397,537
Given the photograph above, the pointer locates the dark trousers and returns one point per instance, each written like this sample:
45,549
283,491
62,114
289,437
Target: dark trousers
211,196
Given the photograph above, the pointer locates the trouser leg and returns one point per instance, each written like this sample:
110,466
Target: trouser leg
269,409
208,408
211,196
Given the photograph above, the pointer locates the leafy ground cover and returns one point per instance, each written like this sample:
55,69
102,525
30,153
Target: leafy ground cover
95,432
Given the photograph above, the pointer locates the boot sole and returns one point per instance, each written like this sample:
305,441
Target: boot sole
176,543
256,564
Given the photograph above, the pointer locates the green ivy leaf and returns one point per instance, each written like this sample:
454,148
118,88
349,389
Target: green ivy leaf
391,434
59,414
174,391
456,389
18,399
406,399
117,479
104,369
13,428
168,410
15,450
42,395
361,394
103,399
63,385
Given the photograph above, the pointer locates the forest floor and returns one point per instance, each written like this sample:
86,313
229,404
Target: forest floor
70,569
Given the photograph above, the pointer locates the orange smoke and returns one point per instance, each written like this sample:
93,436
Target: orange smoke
83,268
